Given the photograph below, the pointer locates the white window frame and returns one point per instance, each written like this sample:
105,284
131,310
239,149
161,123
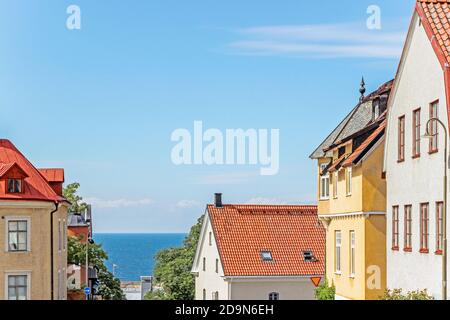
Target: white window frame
8,219
338,252
18,273
348,181
352,253
324,181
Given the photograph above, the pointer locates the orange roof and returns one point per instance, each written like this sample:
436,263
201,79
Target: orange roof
242,232
53,175
337,164
35,186
437,13
368,143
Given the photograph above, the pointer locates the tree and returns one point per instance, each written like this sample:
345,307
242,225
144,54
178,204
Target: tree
173,269
397,294
70,193
108,286
325,292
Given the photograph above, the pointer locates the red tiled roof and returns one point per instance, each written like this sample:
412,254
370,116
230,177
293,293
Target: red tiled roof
437,13
243,231
367,143
337,164
53,175
35,186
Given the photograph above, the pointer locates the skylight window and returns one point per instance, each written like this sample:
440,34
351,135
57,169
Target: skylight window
266,256
308,256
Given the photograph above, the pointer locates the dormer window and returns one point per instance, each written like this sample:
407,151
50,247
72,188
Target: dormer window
376,110
266,256
15,185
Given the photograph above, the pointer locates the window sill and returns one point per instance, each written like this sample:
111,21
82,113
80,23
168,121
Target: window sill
407,249
324,199
338,273
352,276
438,253
400,160
395,248
433,151
424,251
417,156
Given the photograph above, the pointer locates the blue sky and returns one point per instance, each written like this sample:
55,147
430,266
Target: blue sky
103,101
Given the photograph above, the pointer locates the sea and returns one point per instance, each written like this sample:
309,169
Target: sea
134,254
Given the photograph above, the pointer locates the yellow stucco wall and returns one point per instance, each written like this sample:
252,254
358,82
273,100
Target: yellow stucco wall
35,262
374,187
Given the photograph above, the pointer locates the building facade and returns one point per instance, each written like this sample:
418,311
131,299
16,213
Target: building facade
352,199
251,252
415,166
33,213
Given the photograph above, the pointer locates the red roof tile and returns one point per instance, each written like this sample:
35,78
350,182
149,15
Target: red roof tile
243,231
53,175
437,14
35,186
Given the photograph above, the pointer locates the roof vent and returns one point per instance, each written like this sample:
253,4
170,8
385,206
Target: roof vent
218,200
266,256
308,256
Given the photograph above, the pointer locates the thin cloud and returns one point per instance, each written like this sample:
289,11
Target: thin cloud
266,201
227,178
118,203
346,40
186,204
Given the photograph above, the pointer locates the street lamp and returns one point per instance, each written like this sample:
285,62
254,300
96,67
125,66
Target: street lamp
444,209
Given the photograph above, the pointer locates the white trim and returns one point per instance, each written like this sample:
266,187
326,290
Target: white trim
17,218
195,266
268,278
27,204
351,214
18,273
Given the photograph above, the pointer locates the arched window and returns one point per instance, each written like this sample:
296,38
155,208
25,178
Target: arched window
274,296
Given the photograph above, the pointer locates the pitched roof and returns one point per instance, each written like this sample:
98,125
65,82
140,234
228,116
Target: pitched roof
437,13
53,175
242,232
356,120
35,186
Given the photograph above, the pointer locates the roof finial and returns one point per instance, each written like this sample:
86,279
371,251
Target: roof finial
362,89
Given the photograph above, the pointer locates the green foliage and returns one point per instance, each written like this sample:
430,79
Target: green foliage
397,294
173,269
109,287
325,292
70,193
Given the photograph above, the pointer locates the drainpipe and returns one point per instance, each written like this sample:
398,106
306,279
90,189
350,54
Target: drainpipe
51,250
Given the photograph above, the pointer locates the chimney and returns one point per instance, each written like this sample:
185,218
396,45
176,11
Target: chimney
218,200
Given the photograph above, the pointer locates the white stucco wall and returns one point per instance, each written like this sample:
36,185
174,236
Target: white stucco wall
288,289
209,279
415,181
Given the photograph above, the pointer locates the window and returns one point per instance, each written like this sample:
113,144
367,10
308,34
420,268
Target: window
215,295
335,184
324,183
14,186
18,287
338,244
401,139
217,265
204,294
439,227
352,253
376,109
18,235
424,232
308,256
274,296
204,264
266,256
408,228
349,181
416,133
434,127
59,235
395,228
210,238
64,234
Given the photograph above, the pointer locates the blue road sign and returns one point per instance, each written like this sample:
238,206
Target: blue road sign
87,291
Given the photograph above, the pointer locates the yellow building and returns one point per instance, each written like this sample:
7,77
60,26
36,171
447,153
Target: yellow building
33,213
352,199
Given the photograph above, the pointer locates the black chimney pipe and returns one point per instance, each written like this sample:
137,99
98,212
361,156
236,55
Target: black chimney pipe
218,200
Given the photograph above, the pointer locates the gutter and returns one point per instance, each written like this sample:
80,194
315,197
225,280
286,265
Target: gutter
51,251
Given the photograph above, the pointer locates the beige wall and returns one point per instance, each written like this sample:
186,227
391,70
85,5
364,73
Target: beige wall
35,262
289,289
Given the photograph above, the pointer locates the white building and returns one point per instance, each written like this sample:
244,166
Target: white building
415,166
252,252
